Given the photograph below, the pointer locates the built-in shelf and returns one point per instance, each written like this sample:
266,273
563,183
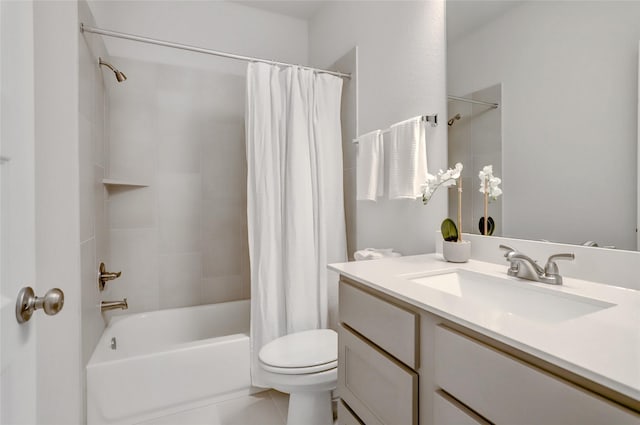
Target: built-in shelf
122,183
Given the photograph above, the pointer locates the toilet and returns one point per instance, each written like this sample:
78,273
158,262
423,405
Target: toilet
304,365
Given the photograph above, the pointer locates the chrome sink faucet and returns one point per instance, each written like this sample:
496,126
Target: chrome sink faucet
526,268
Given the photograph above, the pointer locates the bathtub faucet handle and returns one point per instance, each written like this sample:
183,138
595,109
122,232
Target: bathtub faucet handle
106,276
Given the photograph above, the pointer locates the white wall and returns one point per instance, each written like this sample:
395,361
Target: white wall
569,102
218,25
59,358
401,74
349,121
177,124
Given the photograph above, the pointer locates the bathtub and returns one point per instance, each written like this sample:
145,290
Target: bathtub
148,365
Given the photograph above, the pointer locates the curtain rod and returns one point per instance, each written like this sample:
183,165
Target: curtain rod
433,119
478,102
109,33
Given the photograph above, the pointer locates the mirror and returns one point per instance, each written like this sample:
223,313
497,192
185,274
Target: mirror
565,75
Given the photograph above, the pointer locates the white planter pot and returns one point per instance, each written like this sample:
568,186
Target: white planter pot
456,252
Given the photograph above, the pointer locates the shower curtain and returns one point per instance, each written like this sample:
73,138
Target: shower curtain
294,200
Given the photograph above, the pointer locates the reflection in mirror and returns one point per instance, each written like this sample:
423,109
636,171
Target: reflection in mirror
567,74
475,140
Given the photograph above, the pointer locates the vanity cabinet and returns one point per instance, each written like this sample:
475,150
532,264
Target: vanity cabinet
346,416
449,411
377,357
504,389
400,365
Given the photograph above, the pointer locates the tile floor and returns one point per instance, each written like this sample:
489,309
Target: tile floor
265,408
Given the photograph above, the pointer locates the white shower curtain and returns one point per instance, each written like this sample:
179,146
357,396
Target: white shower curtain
294,201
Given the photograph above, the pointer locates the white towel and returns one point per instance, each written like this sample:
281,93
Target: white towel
407,159
370,167
374,254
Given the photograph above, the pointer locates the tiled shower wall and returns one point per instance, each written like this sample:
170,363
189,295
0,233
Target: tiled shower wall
94,243
92,161
181,240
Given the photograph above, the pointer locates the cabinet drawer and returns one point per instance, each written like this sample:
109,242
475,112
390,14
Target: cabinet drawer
345,417
392,328
379,389
448,411
506,390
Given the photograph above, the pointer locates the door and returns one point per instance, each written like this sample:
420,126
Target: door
17,217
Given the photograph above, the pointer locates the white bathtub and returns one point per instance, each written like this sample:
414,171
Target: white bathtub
167,361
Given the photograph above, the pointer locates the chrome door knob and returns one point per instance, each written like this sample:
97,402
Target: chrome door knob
27,303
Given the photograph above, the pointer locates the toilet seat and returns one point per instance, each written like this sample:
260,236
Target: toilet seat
300,370
301,353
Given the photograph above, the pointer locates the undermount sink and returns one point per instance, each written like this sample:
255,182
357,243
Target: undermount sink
510,296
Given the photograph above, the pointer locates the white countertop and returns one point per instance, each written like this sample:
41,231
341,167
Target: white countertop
603,346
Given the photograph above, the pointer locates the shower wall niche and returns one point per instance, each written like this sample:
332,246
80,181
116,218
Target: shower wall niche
180,238
475,140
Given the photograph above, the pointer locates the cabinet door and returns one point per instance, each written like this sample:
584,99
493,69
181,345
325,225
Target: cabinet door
506,390
392,328
379,389
345,416
448,411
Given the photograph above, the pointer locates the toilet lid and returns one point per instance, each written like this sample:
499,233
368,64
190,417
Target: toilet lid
302,350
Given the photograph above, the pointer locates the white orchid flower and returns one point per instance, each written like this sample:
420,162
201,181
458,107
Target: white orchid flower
458,170
442,178
489,183
487,170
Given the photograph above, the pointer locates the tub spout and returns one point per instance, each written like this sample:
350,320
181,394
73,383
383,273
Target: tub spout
114,305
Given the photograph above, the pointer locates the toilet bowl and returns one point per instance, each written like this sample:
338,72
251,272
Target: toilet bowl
304,365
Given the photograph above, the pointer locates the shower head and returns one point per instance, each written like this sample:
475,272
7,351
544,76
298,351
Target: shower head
454,119
119,75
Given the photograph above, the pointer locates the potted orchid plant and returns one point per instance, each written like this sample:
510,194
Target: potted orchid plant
489,188
454,249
